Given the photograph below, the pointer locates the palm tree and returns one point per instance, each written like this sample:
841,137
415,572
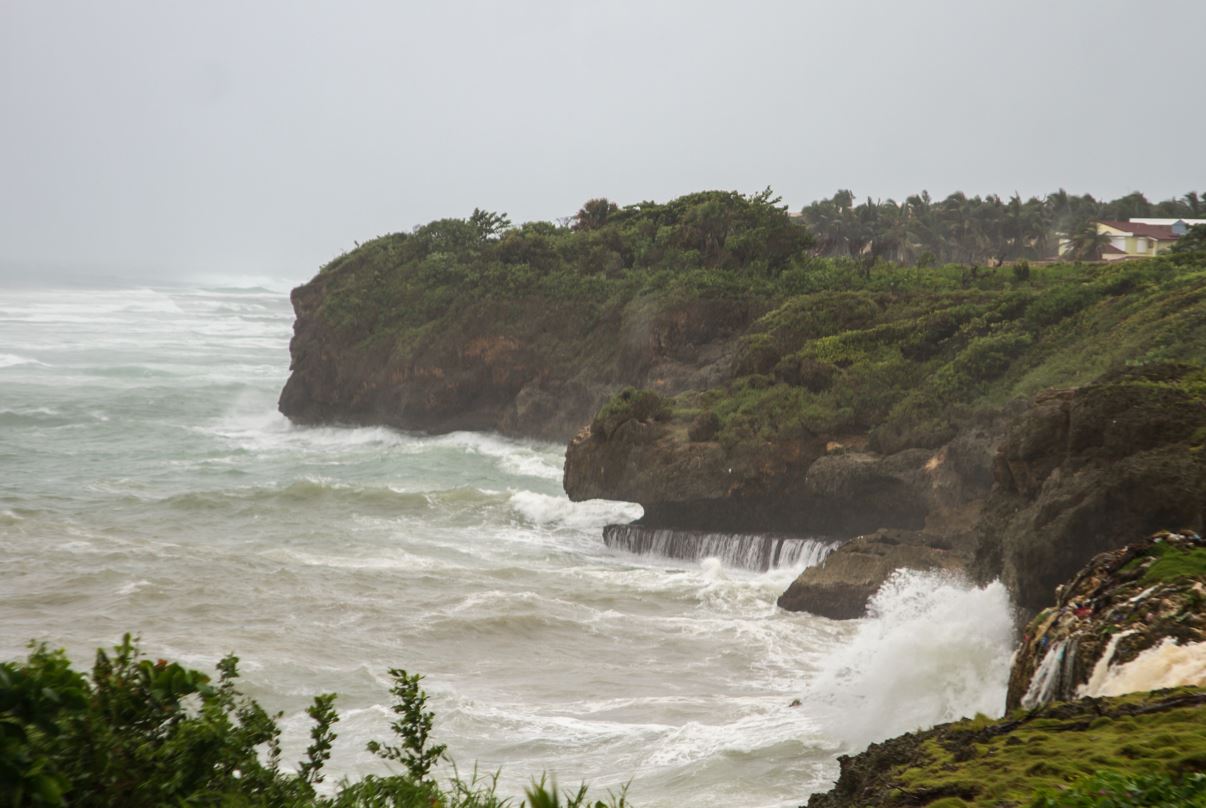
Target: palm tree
1086,243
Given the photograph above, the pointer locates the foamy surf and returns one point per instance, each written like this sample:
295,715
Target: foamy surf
151,486
932,649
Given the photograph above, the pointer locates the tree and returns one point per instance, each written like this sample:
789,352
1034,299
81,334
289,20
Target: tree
1193,242
1086,243
594,214
489,225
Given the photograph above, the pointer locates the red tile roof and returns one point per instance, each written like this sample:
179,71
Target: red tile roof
1160,232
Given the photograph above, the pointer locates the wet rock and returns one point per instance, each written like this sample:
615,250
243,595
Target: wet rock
1119,605
840,586
1084,472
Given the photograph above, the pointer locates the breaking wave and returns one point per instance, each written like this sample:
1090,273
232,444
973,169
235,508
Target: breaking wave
932,649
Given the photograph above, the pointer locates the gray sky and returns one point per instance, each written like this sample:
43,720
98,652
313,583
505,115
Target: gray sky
246,139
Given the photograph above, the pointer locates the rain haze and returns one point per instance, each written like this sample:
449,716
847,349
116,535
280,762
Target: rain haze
243,140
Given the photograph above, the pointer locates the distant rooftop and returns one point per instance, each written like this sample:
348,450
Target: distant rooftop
1190,222
1164,232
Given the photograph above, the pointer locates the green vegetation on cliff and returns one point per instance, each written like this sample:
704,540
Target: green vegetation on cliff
1141,749
903,355
909,355
709,243
846,346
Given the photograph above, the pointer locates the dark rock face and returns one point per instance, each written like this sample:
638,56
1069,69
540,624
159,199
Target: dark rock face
923,502
840,587
802,487
527,368
1084,472
1121,604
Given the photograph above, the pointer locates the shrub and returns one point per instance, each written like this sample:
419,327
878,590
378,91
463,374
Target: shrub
1117,790
139,733
630,404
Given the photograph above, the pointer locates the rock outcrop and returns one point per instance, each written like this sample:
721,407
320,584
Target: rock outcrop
1087,470
1010,761
841,585
913,508
811,485
519,367
1147,600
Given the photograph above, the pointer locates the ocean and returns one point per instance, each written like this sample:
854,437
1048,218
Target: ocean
148,485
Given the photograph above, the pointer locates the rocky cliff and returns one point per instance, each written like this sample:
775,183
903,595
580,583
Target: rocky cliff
1092,750
529,367
703,365
1087,470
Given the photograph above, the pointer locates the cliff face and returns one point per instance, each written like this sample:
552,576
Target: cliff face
525,367
781,393
917,505
1086,470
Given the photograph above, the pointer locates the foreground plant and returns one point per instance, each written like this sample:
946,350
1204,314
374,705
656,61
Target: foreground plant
139,733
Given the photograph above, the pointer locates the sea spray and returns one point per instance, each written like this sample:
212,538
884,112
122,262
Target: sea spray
151,486
932,649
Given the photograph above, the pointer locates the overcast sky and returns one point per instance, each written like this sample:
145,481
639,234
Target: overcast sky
247,139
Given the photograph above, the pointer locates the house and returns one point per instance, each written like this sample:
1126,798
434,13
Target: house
1141,238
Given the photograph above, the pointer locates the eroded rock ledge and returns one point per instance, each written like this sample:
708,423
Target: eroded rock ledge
915,508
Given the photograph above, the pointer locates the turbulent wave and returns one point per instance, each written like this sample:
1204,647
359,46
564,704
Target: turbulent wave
318,492
557,511
933,649
149,485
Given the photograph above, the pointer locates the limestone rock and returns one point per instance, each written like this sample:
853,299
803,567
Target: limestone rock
1084,472
841,585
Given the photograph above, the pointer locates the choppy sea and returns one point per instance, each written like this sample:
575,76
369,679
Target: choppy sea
148,484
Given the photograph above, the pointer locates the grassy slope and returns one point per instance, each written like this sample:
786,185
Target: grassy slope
907,363
1011,761
1050,751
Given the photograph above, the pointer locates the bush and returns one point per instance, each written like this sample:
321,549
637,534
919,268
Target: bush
1118,790
139,733
630,404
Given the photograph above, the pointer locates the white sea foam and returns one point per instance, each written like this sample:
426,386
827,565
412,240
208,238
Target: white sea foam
13,360
132,586
514,457
1165,665
932,649
559,511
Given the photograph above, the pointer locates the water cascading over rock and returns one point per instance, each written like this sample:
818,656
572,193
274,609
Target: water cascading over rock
1131,620
747,551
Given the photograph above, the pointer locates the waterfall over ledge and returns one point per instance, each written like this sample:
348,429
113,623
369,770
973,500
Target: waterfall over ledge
748,551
